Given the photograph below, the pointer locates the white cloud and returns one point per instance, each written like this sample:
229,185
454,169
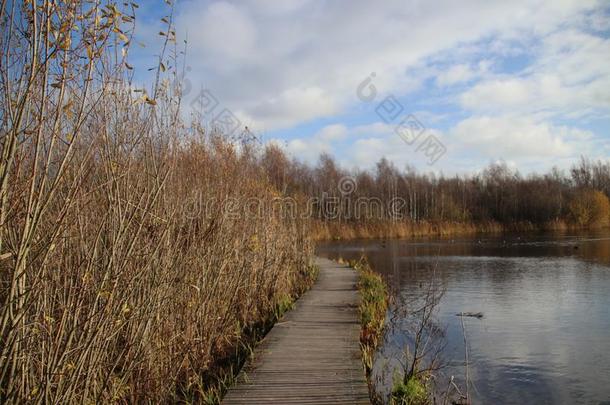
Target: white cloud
517,138
308,150
333,132
455,74
503,93
283,63
292,106
362,146
239,33
565,79
512,80
277,8
526,143
376,128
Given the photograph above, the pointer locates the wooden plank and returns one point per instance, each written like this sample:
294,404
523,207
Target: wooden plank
312,355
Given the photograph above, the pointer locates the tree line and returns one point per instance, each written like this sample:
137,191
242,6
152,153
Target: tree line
498,194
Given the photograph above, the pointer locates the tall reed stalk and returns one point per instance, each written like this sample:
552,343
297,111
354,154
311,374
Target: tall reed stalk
119,280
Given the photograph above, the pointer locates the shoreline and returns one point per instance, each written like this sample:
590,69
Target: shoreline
326,232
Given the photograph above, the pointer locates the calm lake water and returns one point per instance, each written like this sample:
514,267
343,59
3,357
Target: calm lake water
545,333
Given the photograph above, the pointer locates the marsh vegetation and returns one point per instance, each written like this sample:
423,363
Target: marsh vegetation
143,250
115,285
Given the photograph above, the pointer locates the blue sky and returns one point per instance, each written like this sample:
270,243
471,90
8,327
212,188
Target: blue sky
527,81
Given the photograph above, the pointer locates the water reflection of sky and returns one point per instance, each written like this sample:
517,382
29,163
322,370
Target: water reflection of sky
545,334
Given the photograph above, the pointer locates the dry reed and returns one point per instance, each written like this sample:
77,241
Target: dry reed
118,282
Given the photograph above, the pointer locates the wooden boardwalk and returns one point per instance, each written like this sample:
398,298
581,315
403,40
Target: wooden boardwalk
312,355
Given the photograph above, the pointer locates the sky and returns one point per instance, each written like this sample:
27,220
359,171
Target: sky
445,86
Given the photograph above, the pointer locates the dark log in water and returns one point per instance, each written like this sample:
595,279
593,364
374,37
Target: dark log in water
471,314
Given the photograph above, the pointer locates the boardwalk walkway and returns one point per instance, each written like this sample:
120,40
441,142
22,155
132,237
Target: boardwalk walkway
312,355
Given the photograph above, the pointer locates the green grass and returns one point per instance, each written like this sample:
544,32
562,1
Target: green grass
410,392
284,304
372,309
